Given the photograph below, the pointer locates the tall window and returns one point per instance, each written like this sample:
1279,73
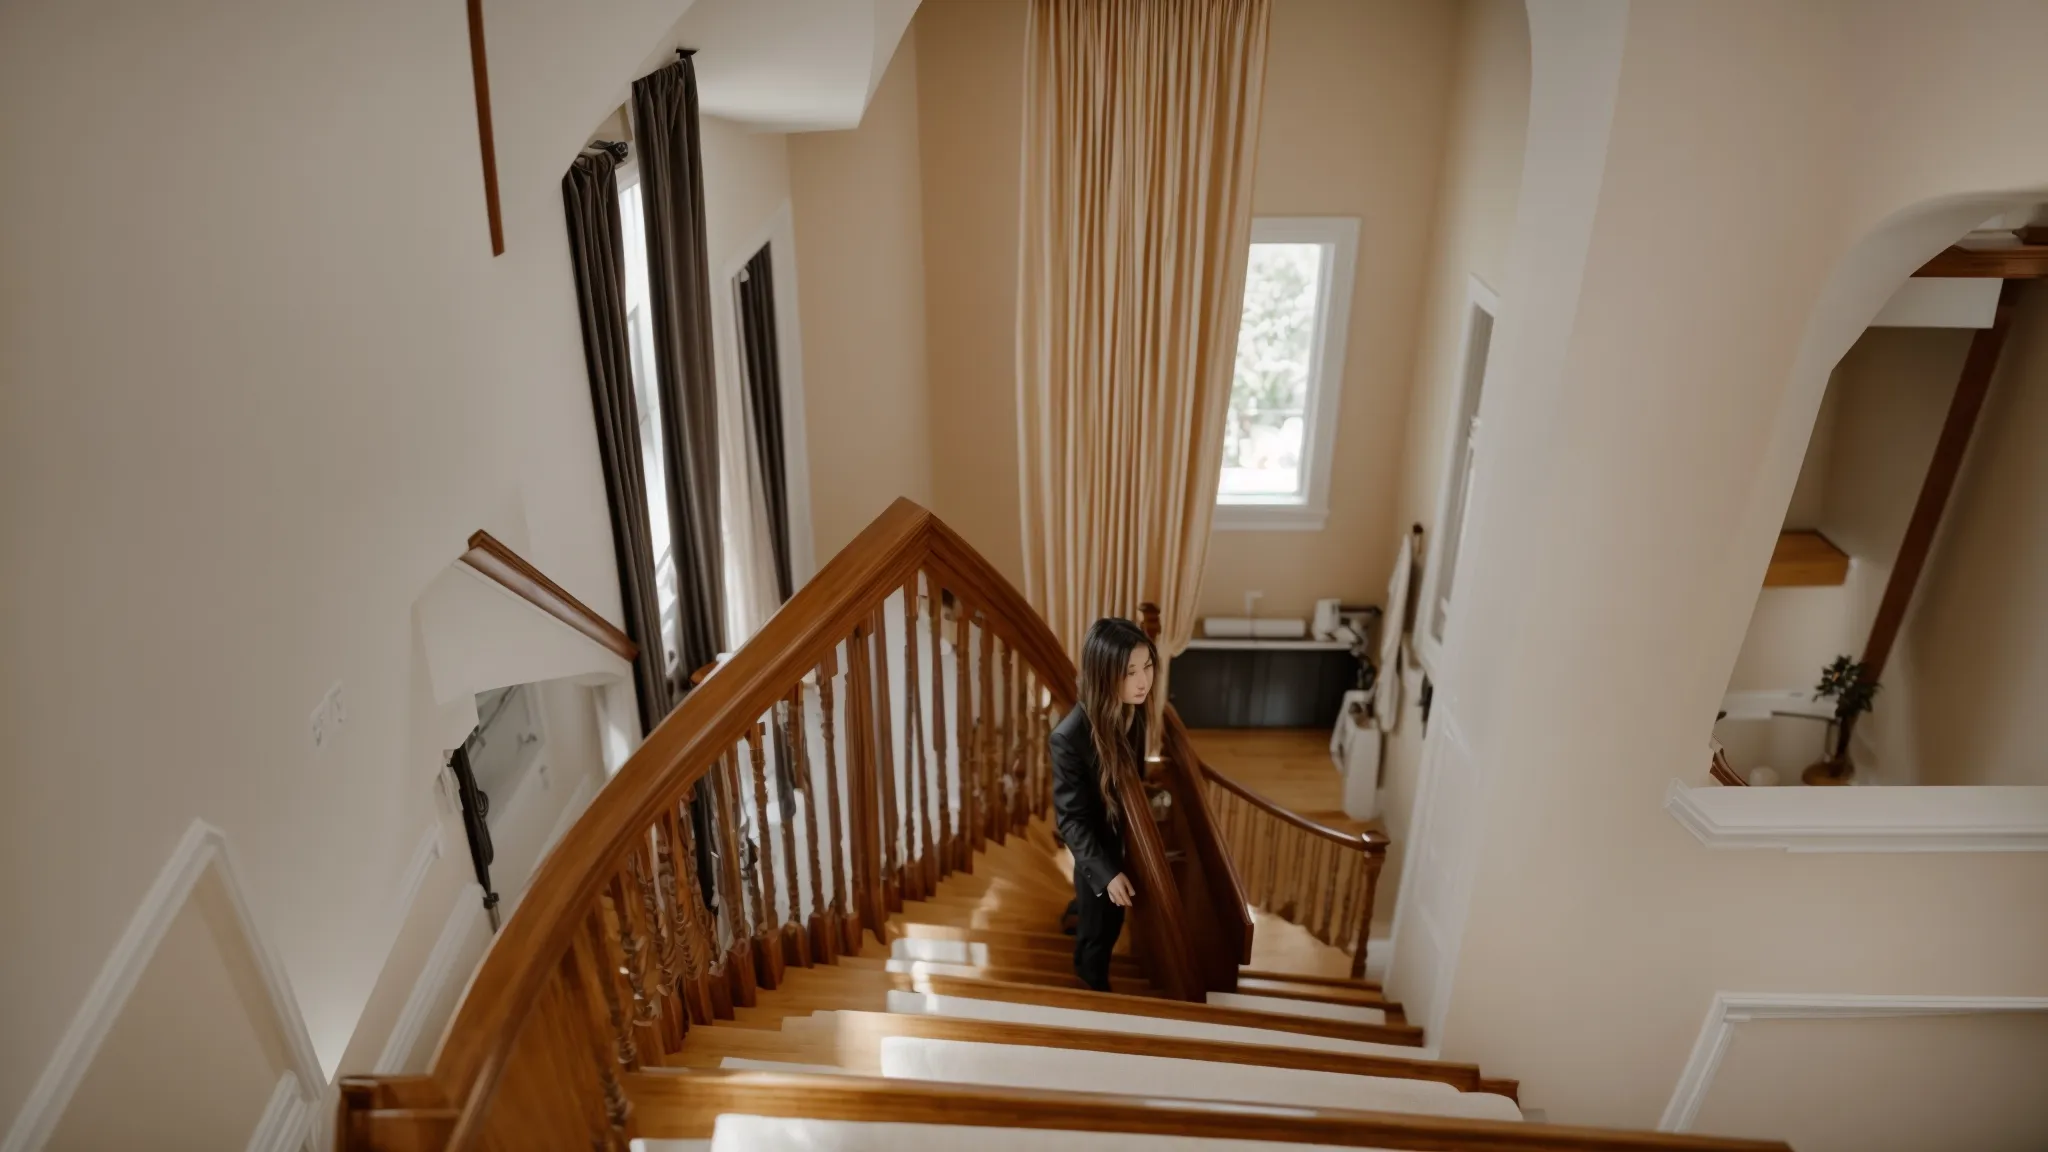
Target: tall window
1280,430
647,398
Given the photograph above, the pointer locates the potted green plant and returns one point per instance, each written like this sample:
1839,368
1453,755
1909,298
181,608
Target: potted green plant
1854,694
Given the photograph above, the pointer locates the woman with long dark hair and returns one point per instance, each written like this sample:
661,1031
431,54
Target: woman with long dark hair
1098,753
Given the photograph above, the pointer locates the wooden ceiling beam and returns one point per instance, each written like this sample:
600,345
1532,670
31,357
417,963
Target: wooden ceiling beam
2020,262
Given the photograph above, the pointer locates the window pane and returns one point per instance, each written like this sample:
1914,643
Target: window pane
1266,427
647,398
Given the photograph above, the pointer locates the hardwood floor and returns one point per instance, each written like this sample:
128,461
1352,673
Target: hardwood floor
1289,766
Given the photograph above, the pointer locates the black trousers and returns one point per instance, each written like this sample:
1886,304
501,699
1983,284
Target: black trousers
1101,923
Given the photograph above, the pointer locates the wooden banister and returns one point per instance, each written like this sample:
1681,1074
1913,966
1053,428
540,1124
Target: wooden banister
488,555
1333,895
620,944
684,1105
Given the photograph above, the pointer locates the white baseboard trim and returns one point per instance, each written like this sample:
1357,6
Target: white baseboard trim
433,980
287,1123
203,846
1868,819
1732,1008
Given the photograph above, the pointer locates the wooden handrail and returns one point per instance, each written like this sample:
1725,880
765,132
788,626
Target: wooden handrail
489,555
1344,872
670,1104
1361,841
684,748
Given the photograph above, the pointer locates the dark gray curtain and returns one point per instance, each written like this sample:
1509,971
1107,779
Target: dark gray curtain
590,193
679,291
764,397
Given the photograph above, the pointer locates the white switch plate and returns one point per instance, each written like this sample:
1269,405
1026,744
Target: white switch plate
337,710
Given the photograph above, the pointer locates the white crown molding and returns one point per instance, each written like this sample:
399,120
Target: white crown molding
1870,819
203,846
433,981
1732,1008
287,1123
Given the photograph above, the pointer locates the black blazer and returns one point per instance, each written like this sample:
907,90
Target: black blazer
1077,800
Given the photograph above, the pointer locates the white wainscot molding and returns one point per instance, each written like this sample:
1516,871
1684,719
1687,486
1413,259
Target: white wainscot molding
1867,819
1732,1008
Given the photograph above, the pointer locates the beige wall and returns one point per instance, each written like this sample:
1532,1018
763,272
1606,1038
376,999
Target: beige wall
1671,321
971,121
862,293
1901,1084
1353,126
1357,95
1475,216
1962,702
260,378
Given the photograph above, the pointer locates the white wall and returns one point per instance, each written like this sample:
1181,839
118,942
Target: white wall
262,377
1475,217
1670,323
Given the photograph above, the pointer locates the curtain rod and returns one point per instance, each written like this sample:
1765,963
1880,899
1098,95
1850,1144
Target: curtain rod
616,148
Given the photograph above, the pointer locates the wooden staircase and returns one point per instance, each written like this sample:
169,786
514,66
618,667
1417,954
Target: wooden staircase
873,957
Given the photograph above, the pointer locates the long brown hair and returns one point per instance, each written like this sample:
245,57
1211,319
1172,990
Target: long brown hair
1105,654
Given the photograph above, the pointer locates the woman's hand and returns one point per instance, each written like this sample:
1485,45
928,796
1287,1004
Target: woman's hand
1120,891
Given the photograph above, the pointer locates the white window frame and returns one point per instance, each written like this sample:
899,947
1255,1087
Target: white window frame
1338,236
1453,436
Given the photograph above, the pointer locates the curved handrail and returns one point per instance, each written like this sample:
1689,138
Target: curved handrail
1322,878
711,720
1366,841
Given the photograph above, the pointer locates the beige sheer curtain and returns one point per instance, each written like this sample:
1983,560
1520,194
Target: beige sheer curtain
1141,123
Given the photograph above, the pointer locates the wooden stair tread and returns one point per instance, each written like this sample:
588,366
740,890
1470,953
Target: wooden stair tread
1089,1001
1301,978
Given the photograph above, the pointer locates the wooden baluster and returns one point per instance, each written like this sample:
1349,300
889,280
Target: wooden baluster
863,817
844,922
739,955
768,958
918,820
663,952
1013,797
1347,914
687,911
593,980
938,622
886,770
1330,896
823,949
711,973
635,963
986,808
992,665
796,944
1375,857
970,775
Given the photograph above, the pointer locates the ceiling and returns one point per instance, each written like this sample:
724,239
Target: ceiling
791,65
